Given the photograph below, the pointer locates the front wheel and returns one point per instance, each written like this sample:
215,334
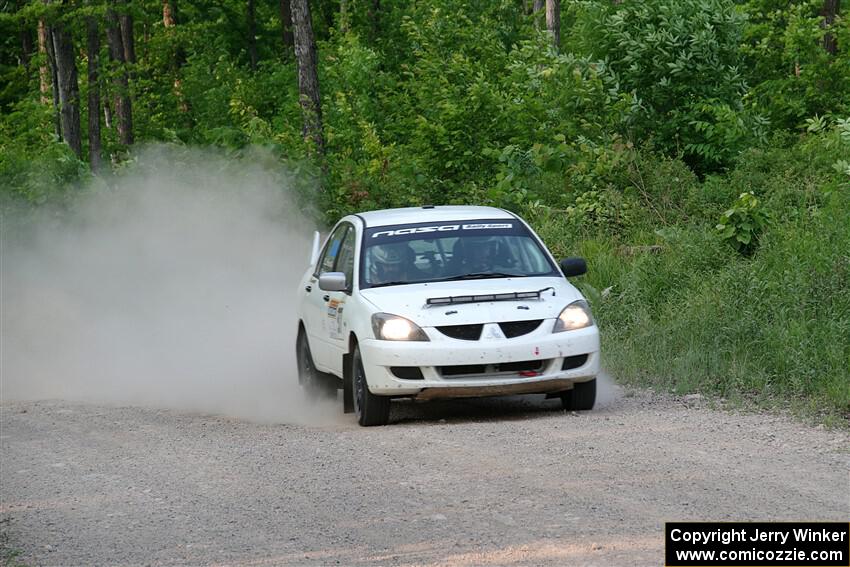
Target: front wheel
369,408
581,397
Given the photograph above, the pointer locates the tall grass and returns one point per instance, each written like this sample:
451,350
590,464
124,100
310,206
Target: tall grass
693,315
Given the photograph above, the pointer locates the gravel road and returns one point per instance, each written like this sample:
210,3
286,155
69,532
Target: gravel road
512,481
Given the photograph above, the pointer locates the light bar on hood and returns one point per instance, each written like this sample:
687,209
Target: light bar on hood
512,296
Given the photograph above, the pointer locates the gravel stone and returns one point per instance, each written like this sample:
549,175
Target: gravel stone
475,482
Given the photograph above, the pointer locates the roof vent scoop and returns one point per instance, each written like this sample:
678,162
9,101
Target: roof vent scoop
427,206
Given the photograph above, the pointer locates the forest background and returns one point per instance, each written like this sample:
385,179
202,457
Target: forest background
696,152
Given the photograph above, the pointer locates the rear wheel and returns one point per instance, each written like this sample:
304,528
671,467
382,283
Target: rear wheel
315,383
581,397
369,408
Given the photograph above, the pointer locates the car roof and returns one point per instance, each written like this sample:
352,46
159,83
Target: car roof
410,215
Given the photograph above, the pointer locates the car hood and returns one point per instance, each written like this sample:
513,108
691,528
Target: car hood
410,301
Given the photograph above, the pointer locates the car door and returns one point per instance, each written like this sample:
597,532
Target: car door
336,323
316,300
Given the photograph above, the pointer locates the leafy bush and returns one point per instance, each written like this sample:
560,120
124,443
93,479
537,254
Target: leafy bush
792,76
454,129
698,317
681,60
743,223
35,167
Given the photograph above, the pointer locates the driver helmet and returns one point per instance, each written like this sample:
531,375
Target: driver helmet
389,254
479,251
390,259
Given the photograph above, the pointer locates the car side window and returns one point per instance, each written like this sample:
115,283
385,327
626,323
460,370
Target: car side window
345,261
326,262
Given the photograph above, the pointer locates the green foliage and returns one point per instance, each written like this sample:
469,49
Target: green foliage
606,209
365,172
14,83
14,76
742,224
774,326
842,140
793,78
453,129
627,146
35,168
697,316
681,60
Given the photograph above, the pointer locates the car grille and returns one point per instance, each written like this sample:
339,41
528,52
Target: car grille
463,332
518,328
523,366
491,369
510,329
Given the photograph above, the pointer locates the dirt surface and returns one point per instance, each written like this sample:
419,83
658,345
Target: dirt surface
481,482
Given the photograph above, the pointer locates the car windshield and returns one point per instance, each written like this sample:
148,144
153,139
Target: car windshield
450,251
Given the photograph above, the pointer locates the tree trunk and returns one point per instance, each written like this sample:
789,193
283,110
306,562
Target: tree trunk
375,18
43,68
553,21
537,10
54,80
308,79
169,20
343,16
127,38
169,13
26,46
25,37
93,53
123,105
251,16
326,12
69,90
830,10
286,27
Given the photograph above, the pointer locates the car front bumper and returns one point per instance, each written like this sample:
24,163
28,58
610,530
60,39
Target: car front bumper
494,365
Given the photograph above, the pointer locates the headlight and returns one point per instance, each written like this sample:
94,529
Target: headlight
394,328
576,315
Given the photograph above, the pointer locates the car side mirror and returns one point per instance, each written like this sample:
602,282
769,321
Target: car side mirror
332,281
573,266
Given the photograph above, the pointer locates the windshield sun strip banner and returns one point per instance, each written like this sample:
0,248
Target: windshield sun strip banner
417,231
441,228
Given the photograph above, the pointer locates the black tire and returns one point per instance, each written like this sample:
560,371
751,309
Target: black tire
581,397
317,384
368,408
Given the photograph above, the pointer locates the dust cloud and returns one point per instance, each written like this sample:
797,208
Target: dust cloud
607,390
174,287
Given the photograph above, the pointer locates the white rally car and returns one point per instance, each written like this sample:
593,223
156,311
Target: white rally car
442,302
